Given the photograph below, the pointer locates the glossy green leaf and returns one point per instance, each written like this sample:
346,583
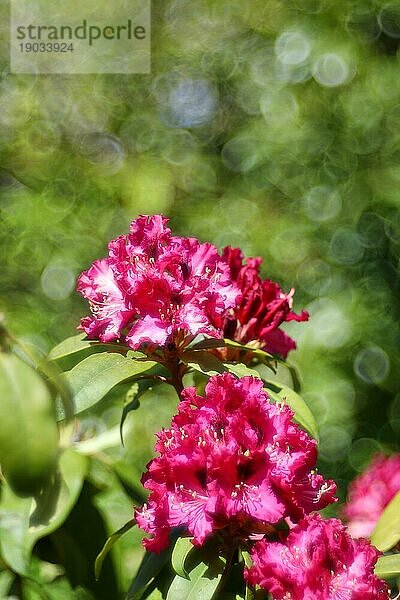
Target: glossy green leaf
302,414
25,520
109,544
388,566
206,343
387,531
76,348
202,583
241,370
257,352
182,548
91,379
203,361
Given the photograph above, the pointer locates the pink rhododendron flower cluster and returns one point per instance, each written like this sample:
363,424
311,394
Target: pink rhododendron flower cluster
156,289
231,461
370,493
317,561
262,309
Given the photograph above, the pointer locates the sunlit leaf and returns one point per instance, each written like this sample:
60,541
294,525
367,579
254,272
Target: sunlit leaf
387,531
262,355
203,580
302,414
91,379
109,544
25,520
388,566
203,361
182,548
241,370
76,348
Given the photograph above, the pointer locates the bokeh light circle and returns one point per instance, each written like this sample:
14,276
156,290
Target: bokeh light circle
372,365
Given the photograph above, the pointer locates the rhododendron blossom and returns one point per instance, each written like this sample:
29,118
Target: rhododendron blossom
262,309
156,289
318,561
370,493
231,462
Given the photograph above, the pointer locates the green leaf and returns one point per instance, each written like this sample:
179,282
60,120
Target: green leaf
6,580
182,548
302,414
203,361
206,343
133,396
240,370
203,581
25,520
74,349
150,567
388,567
91,379
109,544
260,354
387,531
29,435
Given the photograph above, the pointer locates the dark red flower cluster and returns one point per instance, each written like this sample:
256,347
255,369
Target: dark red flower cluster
262,308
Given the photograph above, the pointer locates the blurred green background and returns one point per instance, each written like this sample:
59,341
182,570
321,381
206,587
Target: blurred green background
270,125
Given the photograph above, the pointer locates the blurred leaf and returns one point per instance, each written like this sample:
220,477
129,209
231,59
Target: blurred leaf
75,546
6,579
28,429
302,414
104,440
91,379
151,566
109,544
25,520
387,531
76,348
129,479
203,361
388,566
203,580
183,546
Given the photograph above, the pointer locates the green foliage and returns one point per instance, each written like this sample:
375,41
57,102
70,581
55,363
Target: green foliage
26,520
91,379
387,531
302,414
291,164
28,459
388,567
